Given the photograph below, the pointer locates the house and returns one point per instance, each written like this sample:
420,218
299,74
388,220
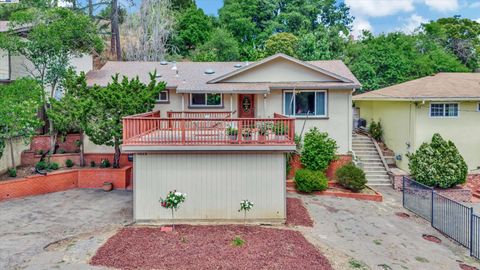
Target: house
14,66
220,131
411,112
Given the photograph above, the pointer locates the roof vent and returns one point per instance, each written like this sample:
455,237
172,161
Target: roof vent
209,71
238,65
163,63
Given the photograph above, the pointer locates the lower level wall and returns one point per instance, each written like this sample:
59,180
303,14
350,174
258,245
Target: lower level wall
6,161
29,158
215,184
296,164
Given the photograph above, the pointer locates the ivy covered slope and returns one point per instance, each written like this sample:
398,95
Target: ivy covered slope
438,164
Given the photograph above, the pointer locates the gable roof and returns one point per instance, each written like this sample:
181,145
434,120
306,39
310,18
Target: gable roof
191,76
442,86
279,56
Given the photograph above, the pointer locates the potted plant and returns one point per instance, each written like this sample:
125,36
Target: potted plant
107,186
232,133
264,131
280,130
247,134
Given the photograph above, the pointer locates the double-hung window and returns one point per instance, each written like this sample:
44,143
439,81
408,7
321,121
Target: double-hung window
443,109
206,100
305,103
163,96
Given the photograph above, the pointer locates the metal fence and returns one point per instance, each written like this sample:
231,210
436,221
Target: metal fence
450,217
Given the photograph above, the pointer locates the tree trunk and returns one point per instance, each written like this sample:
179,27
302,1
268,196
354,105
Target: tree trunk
115,39
90,8
10,142
82,150
116,156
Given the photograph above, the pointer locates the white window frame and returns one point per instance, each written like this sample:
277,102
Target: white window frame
205,105
444,116
158,100
478,106
325,115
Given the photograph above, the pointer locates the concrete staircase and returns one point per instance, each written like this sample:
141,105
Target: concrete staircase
372,164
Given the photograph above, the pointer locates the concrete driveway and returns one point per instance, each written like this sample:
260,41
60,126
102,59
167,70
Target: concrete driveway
373,234
60,230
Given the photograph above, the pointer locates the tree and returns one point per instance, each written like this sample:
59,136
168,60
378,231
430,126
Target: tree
222,46
395,58
438,164
71,112
460,36
192,28
180,5
118,99
147,32
54,37
282,43
18,112
324,43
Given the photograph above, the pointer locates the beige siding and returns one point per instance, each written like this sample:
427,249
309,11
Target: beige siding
18,147
280,70
215,185
4,65
338,123
398,121
463,130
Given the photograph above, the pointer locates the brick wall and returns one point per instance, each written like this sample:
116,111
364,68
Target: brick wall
296,164
64,180
29,158
42,142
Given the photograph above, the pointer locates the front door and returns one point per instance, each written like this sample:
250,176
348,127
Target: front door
246,106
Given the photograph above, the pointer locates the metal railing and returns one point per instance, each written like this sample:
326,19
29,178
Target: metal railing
450,217
141,130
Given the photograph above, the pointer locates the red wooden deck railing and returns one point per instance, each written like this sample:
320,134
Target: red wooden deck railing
198,114
147,130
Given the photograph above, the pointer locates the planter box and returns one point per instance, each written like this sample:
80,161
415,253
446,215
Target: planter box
376,196
295,164
64,180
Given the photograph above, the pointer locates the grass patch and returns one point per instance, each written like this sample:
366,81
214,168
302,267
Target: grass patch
238,241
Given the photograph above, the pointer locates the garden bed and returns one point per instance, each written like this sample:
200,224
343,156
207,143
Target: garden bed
297,214
209,247
336,190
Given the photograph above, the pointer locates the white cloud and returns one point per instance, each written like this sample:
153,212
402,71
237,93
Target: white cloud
478,20
380,8
412,23
359,25
442,5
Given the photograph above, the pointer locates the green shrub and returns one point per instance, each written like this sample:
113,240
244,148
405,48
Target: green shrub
41,165
69,163
12,172
351,177
105,163
318,150
308,181
61,151
376,130
438,164
53,166
92,163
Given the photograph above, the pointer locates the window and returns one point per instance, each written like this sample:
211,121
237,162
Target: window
163,96
443,110
206,100
478,107
303,103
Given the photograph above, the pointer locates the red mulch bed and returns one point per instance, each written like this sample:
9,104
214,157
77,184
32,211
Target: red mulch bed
209,247
431,238
297,214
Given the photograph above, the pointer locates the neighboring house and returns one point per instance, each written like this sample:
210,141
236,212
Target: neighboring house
187,145
411,112
14,66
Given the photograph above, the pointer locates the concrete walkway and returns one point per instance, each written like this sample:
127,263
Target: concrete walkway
60,230
373,234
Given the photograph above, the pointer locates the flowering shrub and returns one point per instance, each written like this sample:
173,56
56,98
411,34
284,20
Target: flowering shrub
173,201
245,206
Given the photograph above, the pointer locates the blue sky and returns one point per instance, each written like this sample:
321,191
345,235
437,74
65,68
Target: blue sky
390,15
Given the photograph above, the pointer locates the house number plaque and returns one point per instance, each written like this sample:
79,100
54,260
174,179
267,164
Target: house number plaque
246,104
